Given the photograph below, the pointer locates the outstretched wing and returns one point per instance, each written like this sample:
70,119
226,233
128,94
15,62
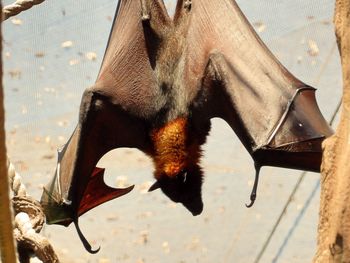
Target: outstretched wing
114,113
273,113
78,184
209,59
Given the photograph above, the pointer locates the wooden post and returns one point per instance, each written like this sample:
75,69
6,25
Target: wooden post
7,246
334,223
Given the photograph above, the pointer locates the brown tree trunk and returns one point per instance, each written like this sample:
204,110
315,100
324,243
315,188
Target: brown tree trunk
334,223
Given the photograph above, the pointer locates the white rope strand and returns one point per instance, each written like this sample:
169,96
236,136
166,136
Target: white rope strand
29,220
17,186
17,7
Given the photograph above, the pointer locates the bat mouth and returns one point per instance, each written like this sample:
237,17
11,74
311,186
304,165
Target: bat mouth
195,206
195,210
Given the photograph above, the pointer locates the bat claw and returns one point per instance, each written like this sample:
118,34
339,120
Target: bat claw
252,200
84,240
145,14
255,186
188,4
145,17
91,251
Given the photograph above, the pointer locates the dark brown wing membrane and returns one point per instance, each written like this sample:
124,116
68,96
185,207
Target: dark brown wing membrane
127,75
260,99
113,114
208,62
98,192
273,113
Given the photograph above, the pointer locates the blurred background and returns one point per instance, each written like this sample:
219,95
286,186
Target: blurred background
53,52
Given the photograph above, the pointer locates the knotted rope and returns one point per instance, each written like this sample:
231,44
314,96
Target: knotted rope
18,6
29,220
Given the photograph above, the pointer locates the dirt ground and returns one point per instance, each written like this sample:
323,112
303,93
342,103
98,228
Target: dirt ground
49,61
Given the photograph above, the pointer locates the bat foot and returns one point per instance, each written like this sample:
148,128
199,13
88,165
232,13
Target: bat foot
145,17
188,4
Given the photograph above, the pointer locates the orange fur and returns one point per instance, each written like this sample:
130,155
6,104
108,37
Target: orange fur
172,152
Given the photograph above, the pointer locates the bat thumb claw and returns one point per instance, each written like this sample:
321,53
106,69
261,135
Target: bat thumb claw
251,204
86,244
252,200
255,187
90,250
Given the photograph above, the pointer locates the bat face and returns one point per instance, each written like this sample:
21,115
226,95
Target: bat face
160,83
176,153
184,188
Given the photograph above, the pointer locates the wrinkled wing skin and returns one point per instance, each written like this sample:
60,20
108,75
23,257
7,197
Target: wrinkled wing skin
97,192
267,107
126,76
208,62
113,113
102,127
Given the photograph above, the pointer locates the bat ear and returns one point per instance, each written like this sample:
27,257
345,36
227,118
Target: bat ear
154,186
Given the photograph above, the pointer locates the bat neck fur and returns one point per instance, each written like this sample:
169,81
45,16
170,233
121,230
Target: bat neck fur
174,150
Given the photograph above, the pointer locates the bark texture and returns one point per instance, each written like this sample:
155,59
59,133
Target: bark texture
334,223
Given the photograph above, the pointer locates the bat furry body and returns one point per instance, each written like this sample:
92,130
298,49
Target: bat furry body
160,83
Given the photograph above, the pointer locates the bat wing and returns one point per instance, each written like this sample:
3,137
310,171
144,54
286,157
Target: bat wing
96,193
114,113
78,184
274,114
246,85
128,72
208,59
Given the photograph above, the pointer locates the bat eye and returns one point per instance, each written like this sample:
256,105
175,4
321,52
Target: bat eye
182,175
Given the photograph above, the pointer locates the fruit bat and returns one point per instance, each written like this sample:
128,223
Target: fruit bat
161,81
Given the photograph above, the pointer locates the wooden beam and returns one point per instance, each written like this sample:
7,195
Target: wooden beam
334,223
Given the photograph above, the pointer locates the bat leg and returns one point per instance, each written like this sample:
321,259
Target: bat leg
182,7
255,186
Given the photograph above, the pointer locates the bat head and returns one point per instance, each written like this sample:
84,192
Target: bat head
185,188
176,158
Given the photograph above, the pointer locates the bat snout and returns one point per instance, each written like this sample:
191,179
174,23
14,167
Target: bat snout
190,200
195,207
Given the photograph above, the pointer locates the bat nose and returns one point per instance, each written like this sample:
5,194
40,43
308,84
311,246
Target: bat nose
197,212
195,207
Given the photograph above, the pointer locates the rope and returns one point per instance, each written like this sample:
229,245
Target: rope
29,216
17,186
18,6
29,220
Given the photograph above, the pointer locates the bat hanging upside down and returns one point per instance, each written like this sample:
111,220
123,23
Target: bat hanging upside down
161,81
